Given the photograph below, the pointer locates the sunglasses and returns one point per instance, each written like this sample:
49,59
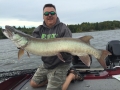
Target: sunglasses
51,13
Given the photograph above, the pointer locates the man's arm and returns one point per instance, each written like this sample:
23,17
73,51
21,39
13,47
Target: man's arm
65,31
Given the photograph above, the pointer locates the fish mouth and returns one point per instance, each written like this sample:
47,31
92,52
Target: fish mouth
8,31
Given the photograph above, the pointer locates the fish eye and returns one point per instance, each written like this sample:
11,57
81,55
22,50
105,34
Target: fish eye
15,32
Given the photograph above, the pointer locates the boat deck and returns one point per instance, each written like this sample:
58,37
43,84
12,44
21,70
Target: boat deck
96,84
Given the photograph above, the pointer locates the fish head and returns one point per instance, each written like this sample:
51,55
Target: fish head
11,33
17,36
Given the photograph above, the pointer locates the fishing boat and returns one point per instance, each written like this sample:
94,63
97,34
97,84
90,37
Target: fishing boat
94,78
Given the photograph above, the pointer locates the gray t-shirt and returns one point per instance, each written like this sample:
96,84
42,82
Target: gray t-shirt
59,30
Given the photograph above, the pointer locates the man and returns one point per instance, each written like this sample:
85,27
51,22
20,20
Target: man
53,71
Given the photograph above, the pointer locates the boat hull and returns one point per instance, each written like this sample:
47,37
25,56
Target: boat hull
93,80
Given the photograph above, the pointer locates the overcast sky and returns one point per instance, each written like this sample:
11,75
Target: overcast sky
30,12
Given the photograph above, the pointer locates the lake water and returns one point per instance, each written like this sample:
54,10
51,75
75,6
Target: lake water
8,51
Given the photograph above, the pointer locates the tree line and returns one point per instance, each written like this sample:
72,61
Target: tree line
77,28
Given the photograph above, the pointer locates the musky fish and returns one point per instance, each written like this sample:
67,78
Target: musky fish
50,47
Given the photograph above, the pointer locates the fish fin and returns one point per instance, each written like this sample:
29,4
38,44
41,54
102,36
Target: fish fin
60,57
85,59
86,39
28,54
20,53
104,54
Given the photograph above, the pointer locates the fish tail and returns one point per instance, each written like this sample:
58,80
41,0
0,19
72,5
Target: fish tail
101,60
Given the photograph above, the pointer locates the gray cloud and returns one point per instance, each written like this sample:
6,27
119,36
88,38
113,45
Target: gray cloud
69,11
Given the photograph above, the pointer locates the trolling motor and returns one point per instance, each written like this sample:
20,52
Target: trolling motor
114,48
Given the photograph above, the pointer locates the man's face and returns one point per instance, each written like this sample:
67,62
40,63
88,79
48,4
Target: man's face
49,16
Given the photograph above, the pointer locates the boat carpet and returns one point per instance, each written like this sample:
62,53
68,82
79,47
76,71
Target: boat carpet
96,84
